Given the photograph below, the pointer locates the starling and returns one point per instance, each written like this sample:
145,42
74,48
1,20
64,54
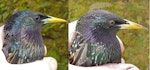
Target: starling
23,42
95,42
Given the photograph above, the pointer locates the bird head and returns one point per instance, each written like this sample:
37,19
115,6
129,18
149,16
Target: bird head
30,20
102,21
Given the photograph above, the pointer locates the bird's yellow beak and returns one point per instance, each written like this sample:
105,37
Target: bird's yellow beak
131,25
53,20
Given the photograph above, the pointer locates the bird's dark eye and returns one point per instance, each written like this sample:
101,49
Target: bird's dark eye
37,17
111,23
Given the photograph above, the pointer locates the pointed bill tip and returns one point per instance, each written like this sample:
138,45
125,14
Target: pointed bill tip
56,20
132,25
53,20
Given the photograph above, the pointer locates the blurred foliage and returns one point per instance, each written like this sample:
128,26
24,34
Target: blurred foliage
135,41
55,35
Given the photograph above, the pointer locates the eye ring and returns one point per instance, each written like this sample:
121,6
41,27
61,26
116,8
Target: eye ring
111,23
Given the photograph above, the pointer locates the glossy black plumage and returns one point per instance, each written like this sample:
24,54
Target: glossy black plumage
95,42
22,37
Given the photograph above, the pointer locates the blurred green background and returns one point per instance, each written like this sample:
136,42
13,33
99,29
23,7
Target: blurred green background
135,41
55,35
